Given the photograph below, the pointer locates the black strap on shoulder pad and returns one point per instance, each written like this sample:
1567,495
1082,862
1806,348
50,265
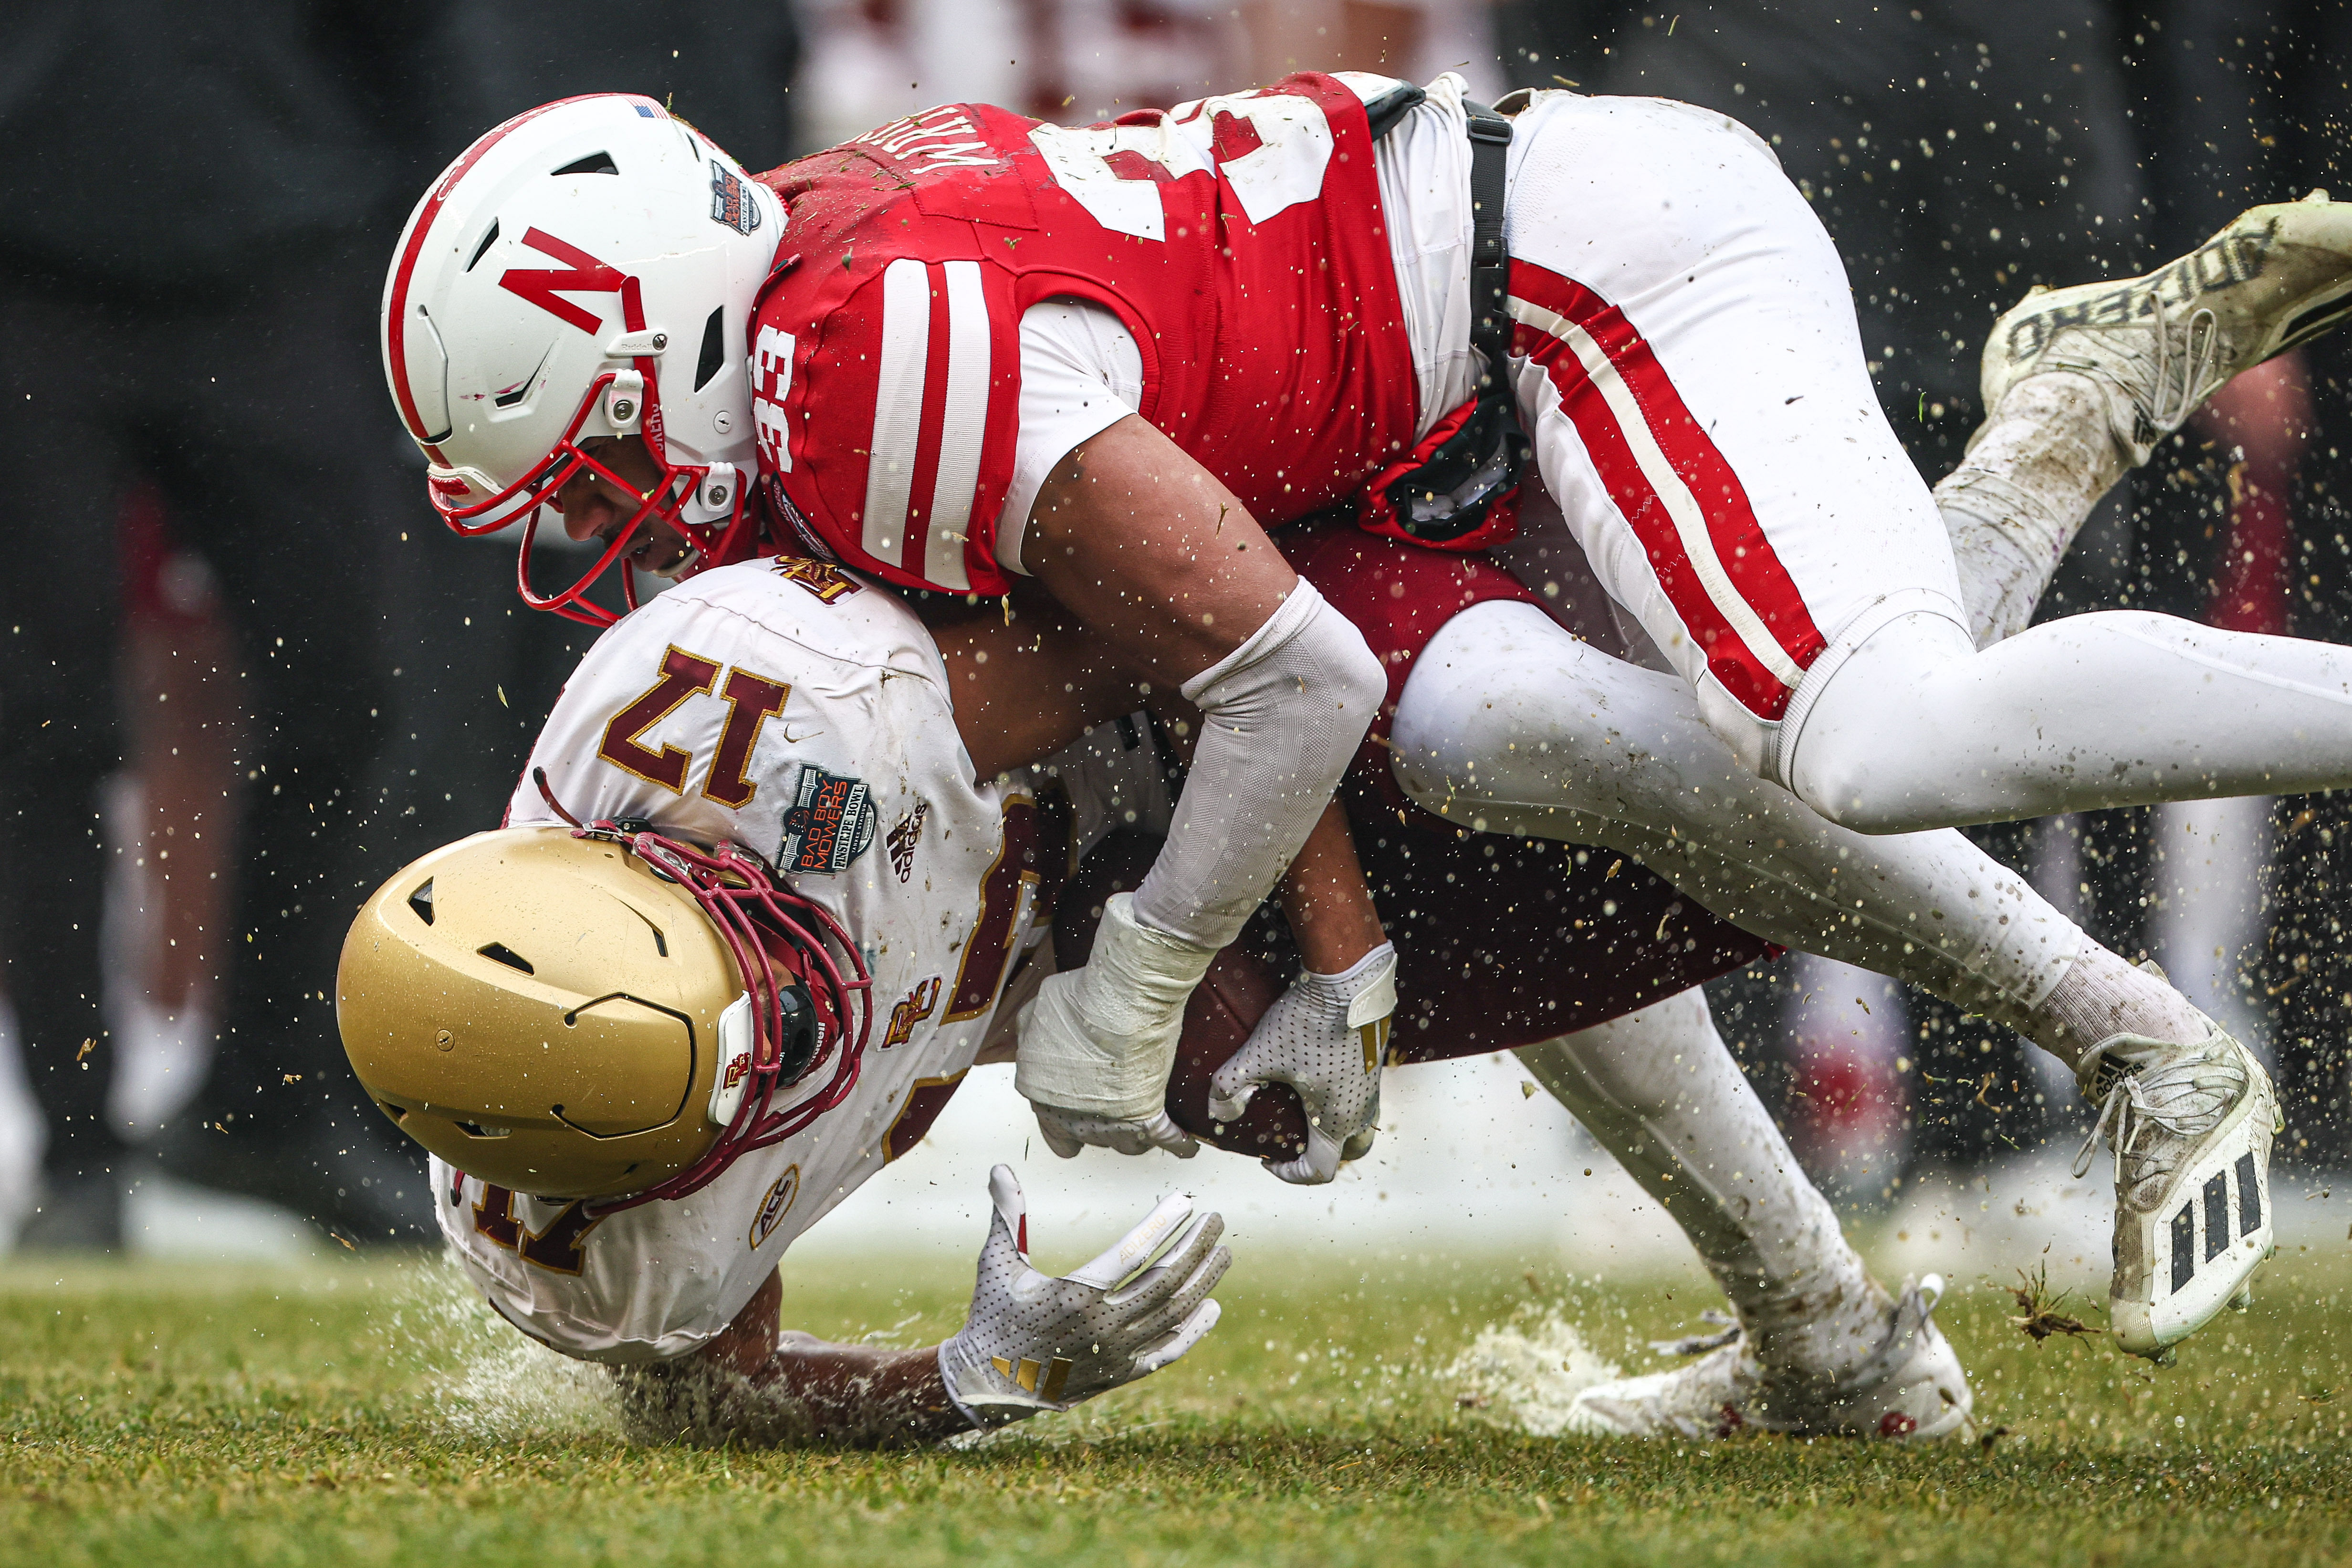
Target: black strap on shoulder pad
1448,496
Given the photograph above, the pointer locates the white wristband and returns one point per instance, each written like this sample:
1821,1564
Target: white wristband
1103,1039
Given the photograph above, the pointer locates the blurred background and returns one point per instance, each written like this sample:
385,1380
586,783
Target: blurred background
248,673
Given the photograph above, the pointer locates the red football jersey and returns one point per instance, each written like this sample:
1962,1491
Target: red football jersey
1240,238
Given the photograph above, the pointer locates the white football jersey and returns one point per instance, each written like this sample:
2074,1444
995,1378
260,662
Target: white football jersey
788,706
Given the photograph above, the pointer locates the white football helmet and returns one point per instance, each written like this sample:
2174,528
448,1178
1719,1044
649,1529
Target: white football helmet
586,270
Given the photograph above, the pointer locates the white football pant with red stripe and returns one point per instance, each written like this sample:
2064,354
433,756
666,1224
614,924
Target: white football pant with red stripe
1690,371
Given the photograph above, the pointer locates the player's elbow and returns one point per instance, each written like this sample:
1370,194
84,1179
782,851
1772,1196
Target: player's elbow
1306,681
1336,672
1358,683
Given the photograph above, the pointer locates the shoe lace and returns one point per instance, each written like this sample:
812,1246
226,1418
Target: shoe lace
1726,1332
1914,1309
2200,355
2185,1097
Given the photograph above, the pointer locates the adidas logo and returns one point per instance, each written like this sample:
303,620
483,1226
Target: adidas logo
2213,1201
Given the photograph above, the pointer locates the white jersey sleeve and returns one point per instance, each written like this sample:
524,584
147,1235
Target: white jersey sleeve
1081,373
793,708
1424,169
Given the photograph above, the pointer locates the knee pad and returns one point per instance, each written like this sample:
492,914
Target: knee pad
1860,739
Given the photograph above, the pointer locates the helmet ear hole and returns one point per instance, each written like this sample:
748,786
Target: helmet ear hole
482,249
499,953
714,348
797,1050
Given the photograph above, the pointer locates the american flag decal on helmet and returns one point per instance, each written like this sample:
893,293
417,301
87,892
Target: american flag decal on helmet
730,204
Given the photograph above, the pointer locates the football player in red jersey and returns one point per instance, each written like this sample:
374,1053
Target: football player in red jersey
983,347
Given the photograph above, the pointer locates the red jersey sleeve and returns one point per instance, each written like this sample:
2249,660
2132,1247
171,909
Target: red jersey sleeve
1240,239
887,402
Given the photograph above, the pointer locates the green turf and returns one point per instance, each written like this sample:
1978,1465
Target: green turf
173,1417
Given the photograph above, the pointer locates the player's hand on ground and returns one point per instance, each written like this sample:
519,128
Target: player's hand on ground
1325,1037
1097,1043
1067,1131
1038,1341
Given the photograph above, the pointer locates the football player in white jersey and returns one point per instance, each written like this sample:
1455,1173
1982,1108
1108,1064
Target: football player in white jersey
541,1010
529,1004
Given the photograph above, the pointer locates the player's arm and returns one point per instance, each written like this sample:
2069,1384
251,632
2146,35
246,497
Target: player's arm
1160,561
764,1387
1031,1342
1025,677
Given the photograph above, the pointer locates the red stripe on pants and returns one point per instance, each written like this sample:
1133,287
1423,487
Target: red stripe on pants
1746,557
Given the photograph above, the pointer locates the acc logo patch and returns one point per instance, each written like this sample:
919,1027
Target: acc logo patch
773,1207
829,824
730,204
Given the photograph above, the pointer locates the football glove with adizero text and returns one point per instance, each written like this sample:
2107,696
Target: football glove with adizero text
1038,1341
1325,1037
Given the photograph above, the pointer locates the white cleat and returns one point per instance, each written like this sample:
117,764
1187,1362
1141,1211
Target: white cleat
2161,344
1910,1388
2192,1128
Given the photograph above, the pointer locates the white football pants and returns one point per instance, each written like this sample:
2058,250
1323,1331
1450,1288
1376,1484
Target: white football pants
1511,724
1688,366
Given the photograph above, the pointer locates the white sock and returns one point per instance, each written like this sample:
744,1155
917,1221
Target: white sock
1660,1091
2032,473
2101,997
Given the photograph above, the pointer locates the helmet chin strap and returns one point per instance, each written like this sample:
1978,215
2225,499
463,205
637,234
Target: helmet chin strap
748,905
707,505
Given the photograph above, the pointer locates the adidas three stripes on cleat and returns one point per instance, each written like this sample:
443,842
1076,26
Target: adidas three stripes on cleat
2192,1128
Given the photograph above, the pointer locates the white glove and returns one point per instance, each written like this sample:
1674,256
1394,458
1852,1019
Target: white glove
1066,1132
1036,1343
1325,1037
1097,1043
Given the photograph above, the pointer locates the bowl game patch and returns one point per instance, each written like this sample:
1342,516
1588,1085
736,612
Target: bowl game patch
829,824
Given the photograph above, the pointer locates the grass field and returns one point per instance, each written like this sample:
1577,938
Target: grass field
364,1414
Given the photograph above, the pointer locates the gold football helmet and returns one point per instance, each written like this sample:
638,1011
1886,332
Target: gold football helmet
597,1012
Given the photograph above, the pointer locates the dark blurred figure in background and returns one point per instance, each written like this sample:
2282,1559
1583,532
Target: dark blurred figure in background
195,197
477,669
201,203
2247,524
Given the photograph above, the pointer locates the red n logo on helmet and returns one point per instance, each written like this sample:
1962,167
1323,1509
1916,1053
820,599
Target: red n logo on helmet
541,285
